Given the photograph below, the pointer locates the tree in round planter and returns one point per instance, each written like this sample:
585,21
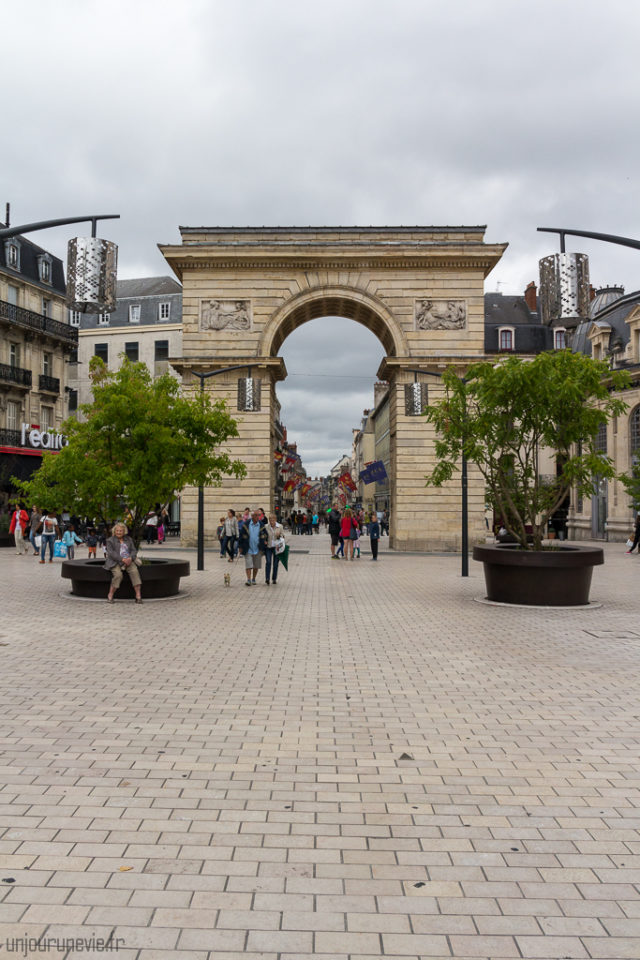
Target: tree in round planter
501,415
140,442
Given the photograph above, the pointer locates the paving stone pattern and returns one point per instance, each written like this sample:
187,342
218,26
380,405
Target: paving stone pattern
359,762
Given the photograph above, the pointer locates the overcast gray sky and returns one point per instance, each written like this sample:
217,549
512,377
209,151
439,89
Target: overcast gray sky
513,113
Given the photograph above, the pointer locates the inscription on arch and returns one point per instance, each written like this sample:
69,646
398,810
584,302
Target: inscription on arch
440,314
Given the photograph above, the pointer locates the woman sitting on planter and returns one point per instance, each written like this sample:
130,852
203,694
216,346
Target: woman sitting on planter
121,557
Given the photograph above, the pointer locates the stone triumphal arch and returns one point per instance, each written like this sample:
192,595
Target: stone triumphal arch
419,289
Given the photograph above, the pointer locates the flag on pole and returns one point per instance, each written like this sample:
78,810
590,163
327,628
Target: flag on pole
278,455
346,480
374,473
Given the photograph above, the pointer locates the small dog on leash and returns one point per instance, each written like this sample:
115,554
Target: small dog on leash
227,579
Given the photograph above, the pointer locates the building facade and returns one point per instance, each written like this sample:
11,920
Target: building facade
36,344
145,327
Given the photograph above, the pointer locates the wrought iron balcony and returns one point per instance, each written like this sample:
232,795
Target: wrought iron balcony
10,438
37,322
11,374
49,384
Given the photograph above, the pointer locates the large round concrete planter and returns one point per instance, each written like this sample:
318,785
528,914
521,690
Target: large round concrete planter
542,578
160,578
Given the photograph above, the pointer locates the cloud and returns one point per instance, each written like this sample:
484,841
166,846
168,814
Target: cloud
516,115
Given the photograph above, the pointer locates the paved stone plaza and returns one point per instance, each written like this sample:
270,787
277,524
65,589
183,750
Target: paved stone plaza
360,762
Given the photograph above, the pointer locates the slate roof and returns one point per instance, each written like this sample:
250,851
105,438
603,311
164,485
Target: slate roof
503,310
148,293
29,253
614,315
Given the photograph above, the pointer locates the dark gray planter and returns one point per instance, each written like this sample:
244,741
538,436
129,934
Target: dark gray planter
560,577
7,540
160,578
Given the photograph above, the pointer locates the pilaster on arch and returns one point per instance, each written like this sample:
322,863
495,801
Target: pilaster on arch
329,301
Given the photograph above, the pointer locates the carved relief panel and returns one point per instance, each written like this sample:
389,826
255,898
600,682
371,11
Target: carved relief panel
440,314
225,315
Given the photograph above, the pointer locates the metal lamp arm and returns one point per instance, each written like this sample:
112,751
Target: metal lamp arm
7,232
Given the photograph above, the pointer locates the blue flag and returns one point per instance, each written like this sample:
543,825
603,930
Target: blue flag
375,472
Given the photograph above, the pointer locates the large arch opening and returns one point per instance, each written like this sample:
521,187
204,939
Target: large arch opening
334,302
331,364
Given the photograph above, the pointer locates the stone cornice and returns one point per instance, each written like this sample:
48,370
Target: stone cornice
187,258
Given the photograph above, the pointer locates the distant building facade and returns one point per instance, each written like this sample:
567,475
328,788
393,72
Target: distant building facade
146,326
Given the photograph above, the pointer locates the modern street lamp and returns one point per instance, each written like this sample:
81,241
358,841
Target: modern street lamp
249,401
91,262
415,401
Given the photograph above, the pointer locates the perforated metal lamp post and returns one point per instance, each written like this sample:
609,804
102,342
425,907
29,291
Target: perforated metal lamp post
415,403
202,377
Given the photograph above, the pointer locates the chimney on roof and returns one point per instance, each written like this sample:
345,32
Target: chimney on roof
379,390
530,296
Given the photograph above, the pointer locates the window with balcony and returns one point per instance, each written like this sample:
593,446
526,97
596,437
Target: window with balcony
47,364
505,339
101,350
14,354
12,295
73,400
131,351
13,415
46,307
134,313
164,311
560,338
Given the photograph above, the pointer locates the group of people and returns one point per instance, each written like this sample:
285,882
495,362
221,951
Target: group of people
155,526
41,528
345,532
304,523
253,536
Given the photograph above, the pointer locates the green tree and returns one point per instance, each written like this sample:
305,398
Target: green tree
502,414
141,442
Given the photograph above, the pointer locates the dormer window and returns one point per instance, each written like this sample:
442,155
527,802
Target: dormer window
164,311
505,339
12,254
44,267
134,313
74,318
103,319
559,338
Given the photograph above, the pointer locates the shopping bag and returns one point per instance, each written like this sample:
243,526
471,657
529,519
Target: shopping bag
280,545
629,543
284,557
60,549
38,541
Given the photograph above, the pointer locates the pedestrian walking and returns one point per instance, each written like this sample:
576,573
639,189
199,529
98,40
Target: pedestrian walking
270,535
374,536
348,530
636,536
18,527
70,538
34,523
92,543
220,535
315,523
250,547
230,534
334,532
50,530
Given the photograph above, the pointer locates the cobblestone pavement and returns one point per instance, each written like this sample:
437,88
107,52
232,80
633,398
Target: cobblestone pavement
359,762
